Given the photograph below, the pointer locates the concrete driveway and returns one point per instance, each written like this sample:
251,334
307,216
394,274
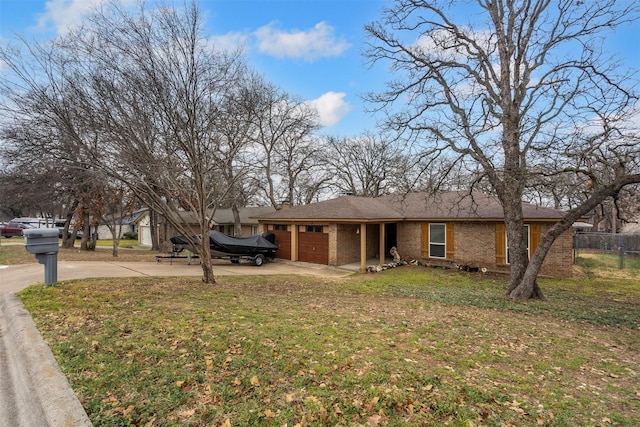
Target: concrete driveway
14,278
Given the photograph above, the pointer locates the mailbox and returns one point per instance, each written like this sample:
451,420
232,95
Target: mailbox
41,240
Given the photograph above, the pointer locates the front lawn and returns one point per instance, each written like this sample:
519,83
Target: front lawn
410,346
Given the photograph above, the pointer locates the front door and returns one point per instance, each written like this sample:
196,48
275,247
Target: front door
390,238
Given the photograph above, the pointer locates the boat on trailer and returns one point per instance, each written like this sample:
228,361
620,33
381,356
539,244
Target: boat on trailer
255,248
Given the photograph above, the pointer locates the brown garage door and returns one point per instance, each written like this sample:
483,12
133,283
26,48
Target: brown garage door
283,240
313,246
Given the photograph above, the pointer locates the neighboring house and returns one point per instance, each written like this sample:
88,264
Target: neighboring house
164,229
631,227
129,224
224,221
439,229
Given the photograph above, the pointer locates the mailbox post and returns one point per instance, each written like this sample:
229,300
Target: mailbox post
43,242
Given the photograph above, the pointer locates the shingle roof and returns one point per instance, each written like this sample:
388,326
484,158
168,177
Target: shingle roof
453,205
343,208
225,216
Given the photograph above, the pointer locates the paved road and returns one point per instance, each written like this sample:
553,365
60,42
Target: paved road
33,390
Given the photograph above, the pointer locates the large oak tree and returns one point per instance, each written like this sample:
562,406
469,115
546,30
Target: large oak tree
523,88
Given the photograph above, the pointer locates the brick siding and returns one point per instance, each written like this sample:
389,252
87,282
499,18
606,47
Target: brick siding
475,245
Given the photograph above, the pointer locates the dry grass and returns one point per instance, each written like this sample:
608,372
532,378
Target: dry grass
403,347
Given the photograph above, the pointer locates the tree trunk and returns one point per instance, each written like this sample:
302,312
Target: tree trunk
69,241
116,243
206,262
527,289
517,246
86,231
153,225
237,227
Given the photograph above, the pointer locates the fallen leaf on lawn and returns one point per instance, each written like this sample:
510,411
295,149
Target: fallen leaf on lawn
606,420
269,413
129,409
187,412
179,383
227,361
209,363
254,381
236,381
226,423
288,398
374,420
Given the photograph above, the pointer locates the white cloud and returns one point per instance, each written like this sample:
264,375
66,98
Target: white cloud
331,107
228,42
317,42
65,14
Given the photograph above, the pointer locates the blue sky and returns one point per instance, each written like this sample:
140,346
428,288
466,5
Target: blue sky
310,48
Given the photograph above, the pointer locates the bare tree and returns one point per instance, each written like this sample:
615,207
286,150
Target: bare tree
238,132
139,94
284,130
374,165
160,89
520,87
361,166
36,143
117,202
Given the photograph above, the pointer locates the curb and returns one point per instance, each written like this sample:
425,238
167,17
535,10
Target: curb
37,392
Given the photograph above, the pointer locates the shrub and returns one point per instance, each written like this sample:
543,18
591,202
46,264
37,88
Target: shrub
130,235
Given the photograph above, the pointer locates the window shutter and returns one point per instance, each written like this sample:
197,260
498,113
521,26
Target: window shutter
425,240
501,244
449,241
534,237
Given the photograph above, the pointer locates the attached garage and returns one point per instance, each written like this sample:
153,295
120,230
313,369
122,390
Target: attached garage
313,244
283,240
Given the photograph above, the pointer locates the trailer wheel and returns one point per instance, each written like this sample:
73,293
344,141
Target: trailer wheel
258,260
235,260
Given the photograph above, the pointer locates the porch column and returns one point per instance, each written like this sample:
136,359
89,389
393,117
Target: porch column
382,254
363,248
294,242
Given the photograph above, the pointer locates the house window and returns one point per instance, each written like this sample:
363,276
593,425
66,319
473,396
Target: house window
280,227
527,242
314,229
437,241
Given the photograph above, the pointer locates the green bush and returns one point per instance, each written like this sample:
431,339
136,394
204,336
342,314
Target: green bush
130,235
